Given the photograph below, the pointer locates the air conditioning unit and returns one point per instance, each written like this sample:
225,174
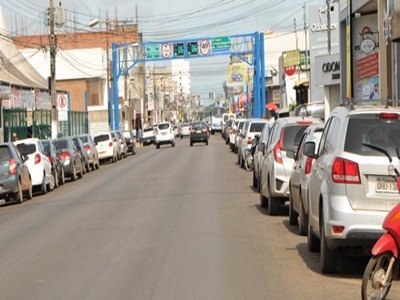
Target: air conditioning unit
395,27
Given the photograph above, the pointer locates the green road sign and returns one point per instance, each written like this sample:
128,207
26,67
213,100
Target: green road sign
179,50
153,51
221,44
193,48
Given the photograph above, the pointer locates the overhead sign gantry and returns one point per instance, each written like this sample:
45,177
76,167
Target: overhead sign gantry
247,47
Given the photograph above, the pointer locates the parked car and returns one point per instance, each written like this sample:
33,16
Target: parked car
227,129
233,134
15,179
350,188
276,166
81,149
117,144
72,160
57,167
237,135
198,133
298,183
38,163
129,141
106,148
91,150
259,154
164,135
148,136
184,130
122,144
176,130
250,128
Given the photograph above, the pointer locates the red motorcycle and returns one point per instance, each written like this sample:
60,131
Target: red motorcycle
383,266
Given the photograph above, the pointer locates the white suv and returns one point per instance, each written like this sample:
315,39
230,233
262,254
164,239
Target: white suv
276,166
350,189
164,134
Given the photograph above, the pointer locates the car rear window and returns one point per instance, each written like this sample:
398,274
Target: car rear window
4,153
292,136
101,138
382,133
198,125
256,127
148,129
163,126
84,139
24,148
61,144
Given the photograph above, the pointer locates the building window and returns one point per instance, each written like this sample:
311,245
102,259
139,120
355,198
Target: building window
94,87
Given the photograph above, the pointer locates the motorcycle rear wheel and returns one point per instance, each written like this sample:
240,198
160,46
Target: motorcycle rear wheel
248,163
371,287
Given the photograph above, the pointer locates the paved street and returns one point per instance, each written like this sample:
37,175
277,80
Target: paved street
174,223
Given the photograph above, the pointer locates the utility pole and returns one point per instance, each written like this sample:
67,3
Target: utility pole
328,16
53,94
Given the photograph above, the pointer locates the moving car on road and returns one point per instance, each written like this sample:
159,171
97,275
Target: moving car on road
198,133
164,135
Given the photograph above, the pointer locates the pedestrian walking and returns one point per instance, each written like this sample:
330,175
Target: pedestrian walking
134,134
14,137
140,135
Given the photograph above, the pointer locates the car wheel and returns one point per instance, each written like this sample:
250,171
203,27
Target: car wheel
312,240
206,142
51,185
80,175
62,176
263,199
98,163
327,256
44,186
273,203
55,176
173,144
303,221
157,146
191,144
292,214
19,196
29,192
73,175
255,184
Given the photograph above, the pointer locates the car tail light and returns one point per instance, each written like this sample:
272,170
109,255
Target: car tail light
388,116
65,155
122,141
249,140
204,130
345,171
88,148
13,167
337,229
51,159
110,144
277,149
38,158
309,162
304,122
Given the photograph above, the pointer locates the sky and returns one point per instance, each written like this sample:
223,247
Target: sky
162,20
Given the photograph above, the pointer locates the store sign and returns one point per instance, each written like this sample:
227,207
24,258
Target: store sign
327,70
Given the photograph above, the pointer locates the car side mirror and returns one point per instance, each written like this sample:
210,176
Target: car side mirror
309,149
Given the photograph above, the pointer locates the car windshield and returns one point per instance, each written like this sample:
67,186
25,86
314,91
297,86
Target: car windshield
292,136
382,133
101,138
148,129
24,148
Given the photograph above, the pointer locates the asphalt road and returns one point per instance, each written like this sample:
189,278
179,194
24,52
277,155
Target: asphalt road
174,223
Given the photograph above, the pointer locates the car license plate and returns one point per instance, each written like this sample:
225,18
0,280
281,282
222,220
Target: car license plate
386,185
198,131
163,133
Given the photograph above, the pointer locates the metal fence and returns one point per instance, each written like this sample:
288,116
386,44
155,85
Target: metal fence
17,120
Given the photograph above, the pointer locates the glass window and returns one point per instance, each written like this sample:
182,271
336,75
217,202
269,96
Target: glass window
292,136
26,148
101,138
256,127
4,153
